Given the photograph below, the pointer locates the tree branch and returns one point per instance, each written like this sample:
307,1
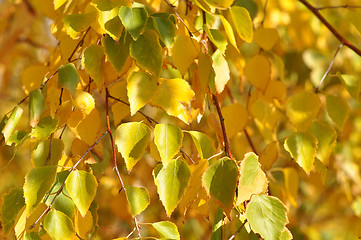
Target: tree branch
339,6
227,149
330,27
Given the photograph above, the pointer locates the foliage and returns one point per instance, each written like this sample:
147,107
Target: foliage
189,119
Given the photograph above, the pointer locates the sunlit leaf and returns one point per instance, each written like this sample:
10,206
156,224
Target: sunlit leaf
11,122
286,235
291,184
134,20
12,202
326,140
229,31
337,109
204,144
76,23
201,80
82,187
267,216
32,236
166,29
217,38
58,225
265,112
36,106
141,88
68,77
221,70
33,76
138,199
167,230
242,22
269,155
132,139
45,127
92,60
59,3
84,101
24,221
183,59
275,90
266,38
171,182
171,96
89,135
258,71
235,118
40,156
38,182
302,147
220,181
253,180
117,52
352,84
302,108
168,139
147,52
83,225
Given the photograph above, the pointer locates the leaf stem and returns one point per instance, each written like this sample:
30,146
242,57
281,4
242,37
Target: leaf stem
250,141
330,27
80,43
329,68
238,230
179,18
227,149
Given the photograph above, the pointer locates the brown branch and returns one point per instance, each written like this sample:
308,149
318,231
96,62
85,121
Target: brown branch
238,230
250,141
329,68
114,152
264,13
331,28
80,43
339,6
179,18
227,148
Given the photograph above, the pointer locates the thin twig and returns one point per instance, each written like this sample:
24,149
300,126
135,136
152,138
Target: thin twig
179,18
331,28
185,154
227,148
250,141
238,230
107,96
49,152
80,43
264,12
329,68
63,185
339,6
204,34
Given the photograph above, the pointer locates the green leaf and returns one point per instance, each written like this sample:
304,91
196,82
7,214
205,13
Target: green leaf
11,123
36,106
138,199
220,181
141,88
302,108
352,84
76,23
134,20
12,202
204,144
267,216
167,30
40,155
18,137
217,232
167,230
45,127
302,147
38,182
337,110
82,187
326,140
59,226
62,202
253,180
68,77
168,139
217,38
92,61
32,236
132,139
171,182
242,22
147,52
117,52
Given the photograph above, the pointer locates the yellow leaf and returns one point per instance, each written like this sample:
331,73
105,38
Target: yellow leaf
275,90
242,22
337,109
266,38
265,112
229,31
59,3
32,77
235,118
221,70
291,184
83,225
119,90
269,155
84,101
172,96
92,60
302,108
200,81
185,49
86,133
221,4
120,111
258,71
